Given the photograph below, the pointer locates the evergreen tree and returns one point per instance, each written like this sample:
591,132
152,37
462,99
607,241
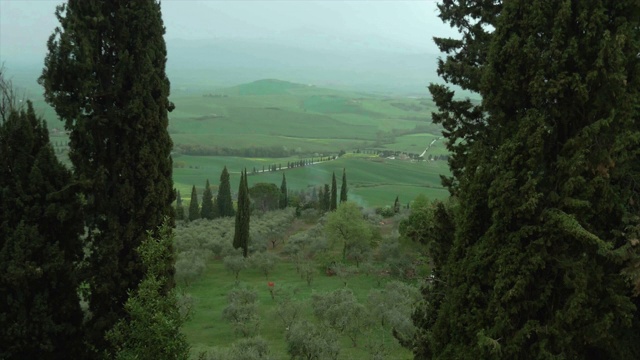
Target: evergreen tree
284,195
179,206
152,328
224,200
333,201
547,217
321,199
396,205
326,198
40,226
105,77
241,235
343,188
206,212
194,207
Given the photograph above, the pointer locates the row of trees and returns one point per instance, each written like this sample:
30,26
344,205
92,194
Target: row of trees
538,256
251,152
212,208
263,197
293,164
324,198
101,233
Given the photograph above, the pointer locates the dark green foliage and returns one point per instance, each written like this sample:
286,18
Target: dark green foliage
40,246
343,188
194,208
224,200
284,195
463,120
105,77
396,205
547,213
152,328
326,198
265,196
179,206
320,197
207,210
243,215
333,201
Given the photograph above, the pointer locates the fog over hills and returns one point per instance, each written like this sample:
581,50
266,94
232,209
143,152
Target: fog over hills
374,46
194,65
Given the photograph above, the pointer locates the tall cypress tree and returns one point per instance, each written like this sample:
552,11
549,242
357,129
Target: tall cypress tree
241,235
284,195
224,200
194,207
326,198
179,206
105,77
343,188
206,212
320,196
333,201
543,276
40,247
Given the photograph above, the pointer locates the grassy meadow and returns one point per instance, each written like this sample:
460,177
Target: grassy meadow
302,122
309,122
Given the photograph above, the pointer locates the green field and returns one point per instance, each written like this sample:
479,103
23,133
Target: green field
271,112
304,122
372,181
307,122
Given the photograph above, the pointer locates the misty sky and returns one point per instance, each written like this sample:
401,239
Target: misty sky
406,26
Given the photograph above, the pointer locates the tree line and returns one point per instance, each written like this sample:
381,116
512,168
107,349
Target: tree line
263,197
215,150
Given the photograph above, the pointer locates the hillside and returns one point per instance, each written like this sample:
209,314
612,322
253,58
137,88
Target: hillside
273,122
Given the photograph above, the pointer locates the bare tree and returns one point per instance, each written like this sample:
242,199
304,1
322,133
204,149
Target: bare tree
9,97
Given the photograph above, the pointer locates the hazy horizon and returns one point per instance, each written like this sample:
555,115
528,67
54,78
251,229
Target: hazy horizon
358,44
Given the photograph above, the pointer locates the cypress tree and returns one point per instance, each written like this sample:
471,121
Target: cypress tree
179,206
343,188
333,201
224,200
548,218
284,196
105,77
326,198
194,207
40,247
321,198
241,235
206,212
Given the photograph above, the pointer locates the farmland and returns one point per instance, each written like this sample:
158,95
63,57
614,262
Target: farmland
273,122
245,126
